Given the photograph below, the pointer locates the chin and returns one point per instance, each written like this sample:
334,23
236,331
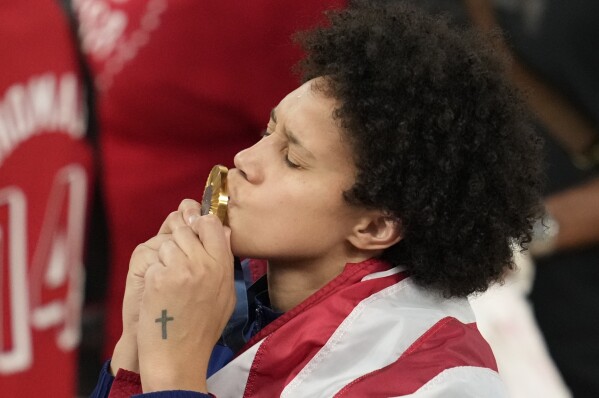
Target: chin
241,248
250,245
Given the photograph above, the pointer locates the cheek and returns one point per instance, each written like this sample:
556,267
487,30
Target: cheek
284,215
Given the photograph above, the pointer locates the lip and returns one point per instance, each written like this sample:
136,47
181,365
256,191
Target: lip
230,202
231,188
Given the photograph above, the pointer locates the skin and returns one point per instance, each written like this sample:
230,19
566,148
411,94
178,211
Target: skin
578,219
286,206
290,184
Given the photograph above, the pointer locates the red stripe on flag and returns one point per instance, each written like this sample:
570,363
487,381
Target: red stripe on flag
449,343
295,337
257,269
125,384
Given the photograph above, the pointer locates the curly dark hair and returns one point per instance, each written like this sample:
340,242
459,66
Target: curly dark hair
441,140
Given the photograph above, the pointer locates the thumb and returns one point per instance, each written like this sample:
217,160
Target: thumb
190,216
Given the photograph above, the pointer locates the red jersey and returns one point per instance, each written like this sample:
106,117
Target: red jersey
45,167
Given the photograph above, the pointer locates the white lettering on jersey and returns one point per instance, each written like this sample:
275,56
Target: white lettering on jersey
56,264
44,103
111,38
13,246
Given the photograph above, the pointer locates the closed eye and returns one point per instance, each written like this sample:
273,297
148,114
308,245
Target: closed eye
290,163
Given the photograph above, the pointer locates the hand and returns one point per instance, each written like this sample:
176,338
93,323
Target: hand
187,301
125,355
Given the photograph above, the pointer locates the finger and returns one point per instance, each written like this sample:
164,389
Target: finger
190,209
172,221
148,258
212,235
191,215
170,254
145,254
153,273
155,242
189,242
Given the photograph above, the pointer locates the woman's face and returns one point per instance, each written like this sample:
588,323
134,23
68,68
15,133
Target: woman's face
286,192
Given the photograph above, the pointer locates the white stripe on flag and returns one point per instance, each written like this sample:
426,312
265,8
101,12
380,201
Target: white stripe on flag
462,382
230,381
374,335
382,274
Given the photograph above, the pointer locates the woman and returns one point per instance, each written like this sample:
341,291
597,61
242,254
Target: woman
388,187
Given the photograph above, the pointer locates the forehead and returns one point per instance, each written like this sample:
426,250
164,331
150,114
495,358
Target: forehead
309,100
307,113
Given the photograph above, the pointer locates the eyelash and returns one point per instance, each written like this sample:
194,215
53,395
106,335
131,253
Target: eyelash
288,162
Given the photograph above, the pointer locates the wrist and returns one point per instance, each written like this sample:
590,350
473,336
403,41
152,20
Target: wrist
125,354
166,378
163,370
545,233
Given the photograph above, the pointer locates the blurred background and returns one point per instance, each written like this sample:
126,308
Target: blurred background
113,111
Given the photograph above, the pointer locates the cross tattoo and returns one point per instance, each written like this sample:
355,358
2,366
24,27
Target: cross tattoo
164,319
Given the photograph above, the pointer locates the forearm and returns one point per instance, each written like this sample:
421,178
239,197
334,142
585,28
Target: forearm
577,213
186,370
188,379
127,383
174,394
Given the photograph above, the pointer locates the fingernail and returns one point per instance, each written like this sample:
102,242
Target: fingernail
192,218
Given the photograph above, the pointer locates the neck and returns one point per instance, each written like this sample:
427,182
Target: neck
290,283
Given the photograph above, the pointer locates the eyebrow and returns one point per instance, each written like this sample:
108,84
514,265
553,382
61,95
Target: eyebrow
291,137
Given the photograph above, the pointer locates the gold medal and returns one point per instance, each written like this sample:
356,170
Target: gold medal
216,195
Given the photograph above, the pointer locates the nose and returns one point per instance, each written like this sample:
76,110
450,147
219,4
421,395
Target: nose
248,162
